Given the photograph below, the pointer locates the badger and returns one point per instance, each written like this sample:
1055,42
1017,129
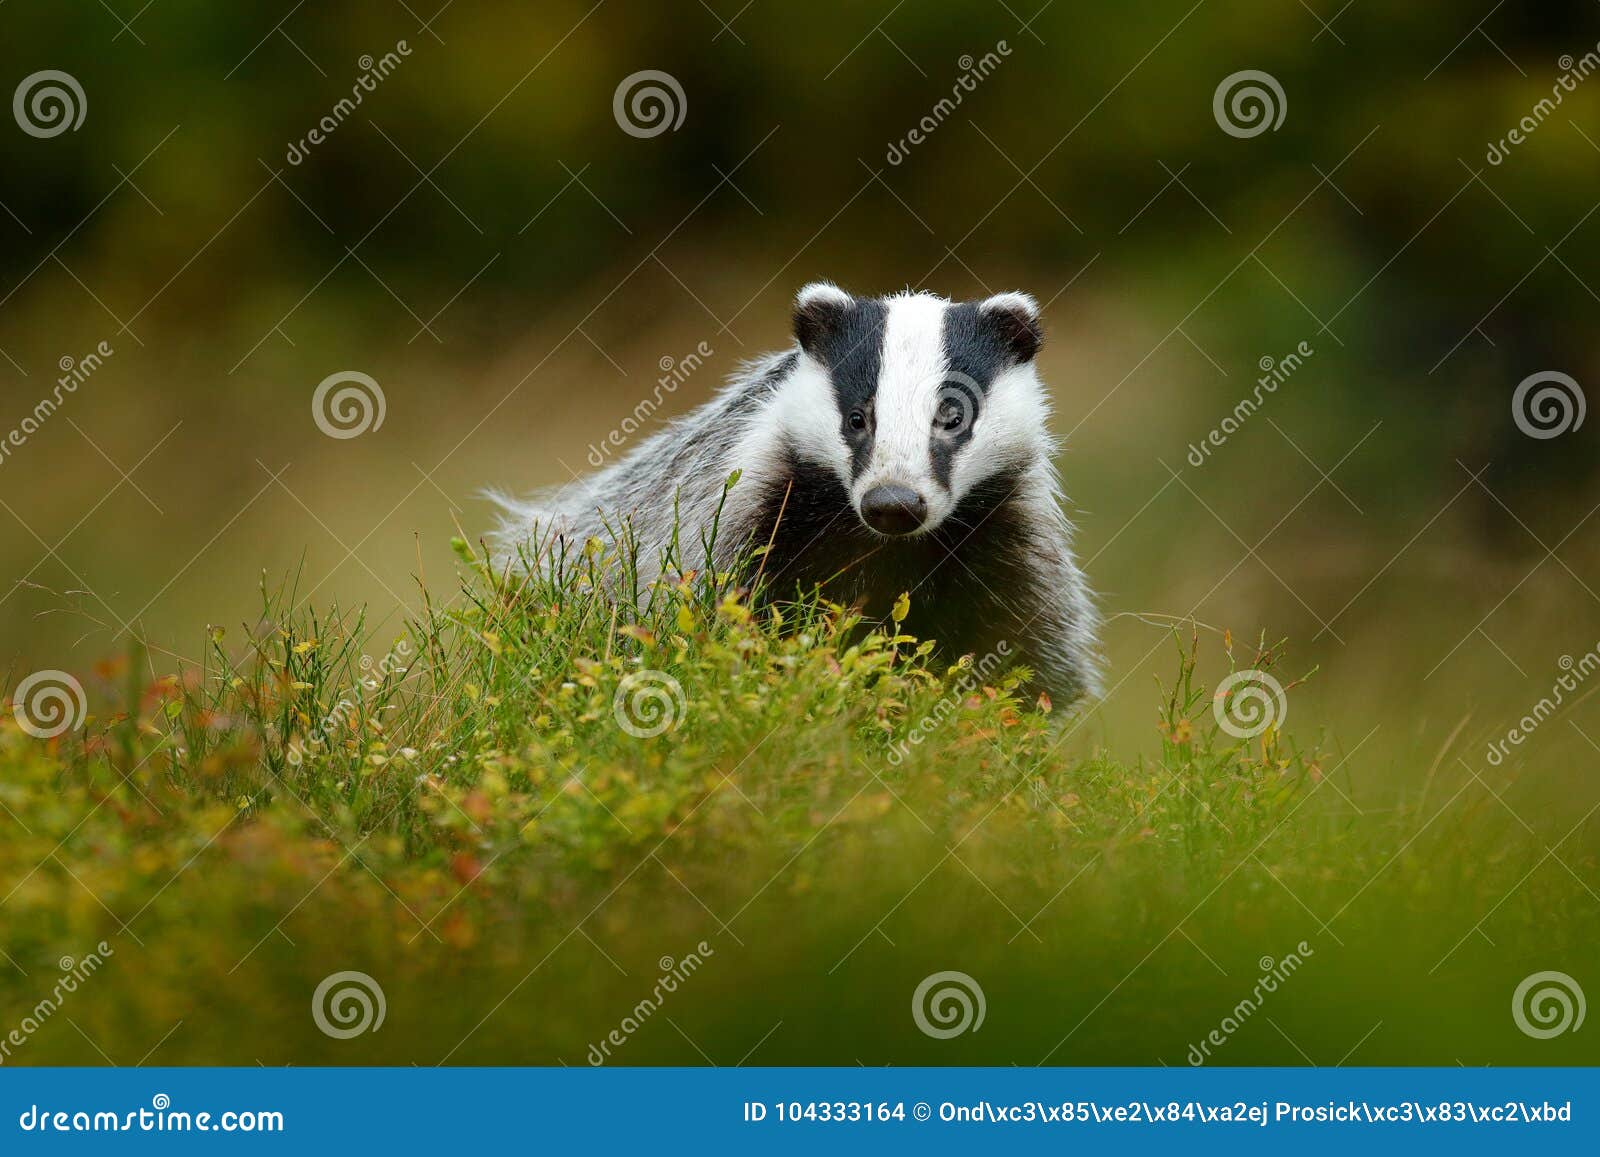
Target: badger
900,446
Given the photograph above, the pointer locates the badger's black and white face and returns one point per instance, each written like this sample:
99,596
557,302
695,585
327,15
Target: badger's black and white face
914,400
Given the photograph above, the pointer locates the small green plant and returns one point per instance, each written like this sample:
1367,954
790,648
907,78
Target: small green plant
569,768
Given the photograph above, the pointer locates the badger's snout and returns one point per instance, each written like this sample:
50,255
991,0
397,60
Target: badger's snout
893,509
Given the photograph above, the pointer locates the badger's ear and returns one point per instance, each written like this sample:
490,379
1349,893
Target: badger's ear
817,312
1014,318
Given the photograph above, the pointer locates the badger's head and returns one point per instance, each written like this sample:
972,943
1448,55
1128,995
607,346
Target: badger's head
914,400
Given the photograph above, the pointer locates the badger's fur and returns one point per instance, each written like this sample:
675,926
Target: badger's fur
901,445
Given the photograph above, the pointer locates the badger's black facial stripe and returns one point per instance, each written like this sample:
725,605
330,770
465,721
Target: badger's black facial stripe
975,350
1016,323
815,318
819,539
850,345
978,341
976,344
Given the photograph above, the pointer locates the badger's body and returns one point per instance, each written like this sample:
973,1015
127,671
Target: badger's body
901,446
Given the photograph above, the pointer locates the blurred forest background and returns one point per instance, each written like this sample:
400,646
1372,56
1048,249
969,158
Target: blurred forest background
483,239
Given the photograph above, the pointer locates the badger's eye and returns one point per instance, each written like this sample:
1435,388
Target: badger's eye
950,416
858,420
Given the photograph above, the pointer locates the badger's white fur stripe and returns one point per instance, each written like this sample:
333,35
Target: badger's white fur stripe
1021,302
821,291
912,369
861,406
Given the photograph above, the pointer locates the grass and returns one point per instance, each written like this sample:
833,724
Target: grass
529,806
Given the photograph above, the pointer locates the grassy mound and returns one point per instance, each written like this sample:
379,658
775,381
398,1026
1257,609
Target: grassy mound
557,827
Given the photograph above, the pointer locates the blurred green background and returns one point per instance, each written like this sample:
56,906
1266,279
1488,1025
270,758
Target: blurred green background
482,238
